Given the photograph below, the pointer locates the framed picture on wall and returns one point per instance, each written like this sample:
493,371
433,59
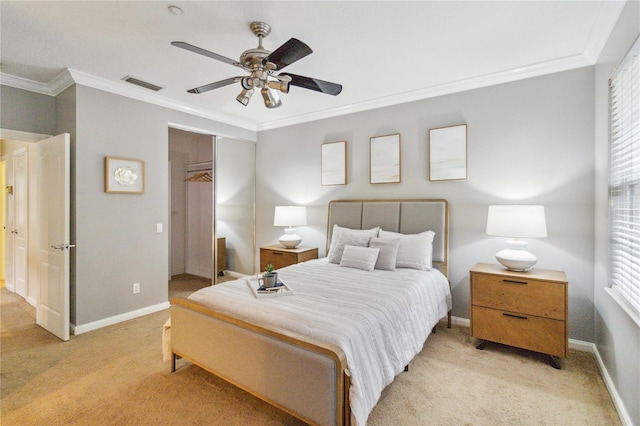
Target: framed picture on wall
448,153
385,161
123,175
334,163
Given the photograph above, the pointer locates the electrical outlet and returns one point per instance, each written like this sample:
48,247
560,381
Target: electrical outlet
136,288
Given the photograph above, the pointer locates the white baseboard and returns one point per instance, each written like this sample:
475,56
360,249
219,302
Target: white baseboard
32,301
461,322
625,418
580,345
84,328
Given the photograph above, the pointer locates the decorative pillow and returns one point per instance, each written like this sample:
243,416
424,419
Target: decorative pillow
359,257
347,238
338,231
388,252
415,250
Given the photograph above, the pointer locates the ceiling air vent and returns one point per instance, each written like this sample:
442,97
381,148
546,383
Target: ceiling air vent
141,83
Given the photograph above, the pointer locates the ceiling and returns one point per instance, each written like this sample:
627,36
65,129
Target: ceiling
382,52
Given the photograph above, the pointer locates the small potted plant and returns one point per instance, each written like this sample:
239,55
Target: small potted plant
270,277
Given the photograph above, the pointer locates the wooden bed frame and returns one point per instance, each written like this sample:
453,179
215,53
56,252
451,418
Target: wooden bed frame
311,380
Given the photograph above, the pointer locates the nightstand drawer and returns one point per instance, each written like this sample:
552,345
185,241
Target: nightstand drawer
279,259
524,331
519,294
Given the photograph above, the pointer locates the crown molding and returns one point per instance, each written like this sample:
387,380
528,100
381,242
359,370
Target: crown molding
25,84
119,88
61,82
521,73
606,20
69,77
607,17
605,23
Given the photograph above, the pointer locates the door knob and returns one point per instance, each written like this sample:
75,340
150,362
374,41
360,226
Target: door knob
63,246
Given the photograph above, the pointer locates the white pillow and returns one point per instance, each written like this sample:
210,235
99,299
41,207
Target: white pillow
338,231
415,250
388,252
344,239
359,257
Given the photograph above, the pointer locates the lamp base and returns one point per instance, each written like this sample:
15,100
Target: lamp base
290,239
513,260
516,258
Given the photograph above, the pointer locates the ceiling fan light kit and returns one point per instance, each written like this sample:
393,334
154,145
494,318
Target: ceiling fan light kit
262,66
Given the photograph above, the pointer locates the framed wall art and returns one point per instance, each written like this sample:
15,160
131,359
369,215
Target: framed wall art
123,175
334,163
385,159
448,153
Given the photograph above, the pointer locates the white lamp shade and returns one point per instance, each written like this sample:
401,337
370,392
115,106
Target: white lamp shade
516,221
290,216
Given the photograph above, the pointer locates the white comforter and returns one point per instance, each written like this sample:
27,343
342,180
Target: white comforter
380,319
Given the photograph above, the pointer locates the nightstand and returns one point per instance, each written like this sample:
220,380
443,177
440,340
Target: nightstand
280,257
222,255
523,309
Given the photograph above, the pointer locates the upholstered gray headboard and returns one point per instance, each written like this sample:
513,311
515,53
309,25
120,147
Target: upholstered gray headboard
404,216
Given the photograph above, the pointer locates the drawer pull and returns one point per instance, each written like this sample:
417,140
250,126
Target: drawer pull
515,282
275,253
514,316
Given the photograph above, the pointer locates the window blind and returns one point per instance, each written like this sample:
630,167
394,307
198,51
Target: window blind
624,178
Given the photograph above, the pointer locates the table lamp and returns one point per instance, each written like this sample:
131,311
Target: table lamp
516,221
290,216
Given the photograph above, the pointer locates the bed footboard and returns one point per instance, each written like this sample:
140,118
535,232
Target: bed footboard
306,378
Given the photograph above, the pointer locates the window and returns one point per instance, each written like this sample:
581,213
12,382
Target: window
624,179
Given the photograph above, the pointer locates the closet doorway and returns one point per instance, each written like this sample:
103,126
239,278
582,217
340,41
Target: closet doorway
212,207
191,204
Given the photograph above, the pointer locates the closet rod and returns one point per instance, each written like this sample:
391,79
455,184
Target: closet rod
199,167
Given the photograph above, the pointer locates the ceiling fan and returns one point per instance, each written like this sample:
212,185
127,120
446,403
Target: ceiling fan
262,65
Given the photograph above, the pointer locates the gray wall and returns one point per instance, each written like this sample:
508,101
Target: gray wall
117,243
529,142
617,337
115,237
27,111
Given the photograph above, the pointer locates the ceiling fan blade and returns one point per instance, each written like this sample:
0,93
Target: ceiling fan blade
293,50
315,84
200,51
215,85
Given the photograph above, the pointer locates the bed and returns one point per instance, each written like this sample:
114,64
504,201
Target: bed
325,352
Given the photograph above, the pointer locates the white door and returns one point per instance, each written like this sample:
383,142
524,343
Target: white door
20,225
52,312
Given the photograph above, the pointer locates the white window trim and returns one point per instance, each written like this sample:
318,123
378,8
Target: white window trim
620,300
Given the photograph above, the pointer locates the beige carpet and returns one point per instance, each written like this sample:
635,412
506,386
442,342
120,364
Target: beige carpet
116,376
